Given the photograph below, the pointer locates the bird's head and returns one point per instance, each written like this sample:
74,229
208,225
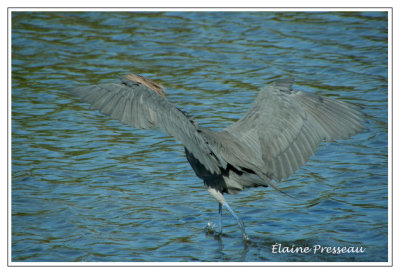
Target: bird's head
157,88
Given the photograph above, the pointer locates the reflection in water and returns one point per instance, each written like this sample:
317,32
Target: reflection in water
86,188
220,238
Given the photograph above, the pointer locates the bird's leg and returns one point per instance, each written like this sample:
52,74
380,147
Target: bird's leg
220,218
222,202
236,217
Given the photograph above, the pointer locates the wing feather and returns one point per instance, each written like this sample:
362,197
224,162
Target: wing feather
278,135
284,127
139,106
338,119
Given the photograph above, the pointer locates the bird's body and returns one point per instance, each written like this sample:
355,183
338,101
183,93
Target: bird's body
278,134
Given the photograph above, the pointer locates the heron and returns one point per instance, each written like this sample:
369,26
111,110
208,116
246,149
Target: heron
275,137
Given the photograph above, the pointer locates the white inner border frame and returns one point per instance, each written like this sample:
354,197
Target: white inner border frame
226,264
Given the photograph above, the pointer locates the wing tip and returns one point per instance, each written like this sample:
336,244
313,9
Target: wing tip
286,82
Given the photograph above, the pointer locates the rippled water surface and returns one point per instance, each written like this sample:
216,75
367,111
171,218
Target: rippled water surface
86,188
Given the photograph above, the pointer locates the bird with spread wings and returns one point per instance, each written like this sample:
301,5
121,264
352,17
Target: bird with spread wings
273,139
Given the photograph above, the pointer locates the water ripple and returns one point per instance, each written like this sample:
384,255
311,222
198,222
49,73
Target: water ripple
86,188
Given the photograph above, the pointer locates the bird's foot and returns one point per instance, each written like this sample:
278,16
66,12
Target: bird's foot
213,229
246,238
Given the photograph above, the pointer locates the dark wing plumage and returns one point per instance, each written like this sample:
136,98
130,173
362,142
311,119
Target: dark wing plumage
284,127
337,119
139,106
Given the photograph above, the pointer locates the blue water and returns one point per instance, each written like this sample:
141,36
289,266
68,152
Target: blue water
86,188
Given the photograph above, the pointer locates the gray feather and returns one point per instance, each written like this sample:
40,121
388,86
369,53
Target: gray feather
138,106
278,134
284,127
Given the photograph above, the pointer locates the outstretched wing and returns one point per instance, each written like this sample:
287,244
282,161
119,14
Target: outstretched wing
284,127
137,103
